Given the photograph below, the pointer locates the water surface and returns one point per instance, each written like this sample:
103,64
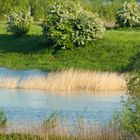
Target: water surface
35,106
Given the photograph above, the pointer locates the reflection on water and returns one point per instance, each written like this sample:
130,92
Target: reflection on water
35,106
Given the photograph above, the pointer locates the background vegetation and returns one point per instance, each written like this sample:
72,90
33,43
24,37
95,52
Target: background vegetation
105,8
128,15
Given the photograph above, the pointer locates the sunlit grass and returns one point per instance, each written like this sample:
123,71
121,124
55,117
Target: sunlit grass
112,53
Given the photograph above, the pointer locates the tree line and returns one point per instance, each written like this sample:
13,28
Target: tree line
38,8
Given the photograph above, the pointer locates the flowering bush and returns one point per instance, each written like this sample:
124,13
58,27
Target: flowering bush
68,25
18,23
128,15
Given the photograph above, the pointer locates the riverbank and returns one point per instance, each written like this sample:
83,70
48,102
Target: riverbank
81,133
109,133
117,51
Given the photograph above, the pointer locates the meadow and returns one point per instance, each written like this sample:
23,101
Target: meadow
116,51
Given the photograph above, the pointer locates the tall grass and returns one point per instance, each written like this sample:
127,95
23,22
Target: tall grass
60,133
64,80
54,128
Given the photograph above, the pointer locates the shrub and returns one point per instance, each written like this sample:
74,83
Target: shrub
68,25
18,23
3,119
128,15
129,119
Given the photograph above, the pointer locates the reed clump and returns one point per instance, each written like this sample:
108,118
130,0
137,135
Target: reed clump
65,80
106,133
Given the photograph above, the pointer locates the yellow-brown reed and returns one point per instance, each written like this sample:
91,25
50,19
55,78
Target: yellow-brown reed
66,81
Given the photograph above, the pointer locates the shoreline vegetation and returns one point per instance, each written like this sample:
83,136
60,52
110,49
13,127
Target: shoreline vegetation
56,128
68,80
79,132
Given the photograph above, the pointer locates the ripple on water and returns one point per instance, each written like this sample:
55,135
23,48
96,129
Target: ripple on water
33,106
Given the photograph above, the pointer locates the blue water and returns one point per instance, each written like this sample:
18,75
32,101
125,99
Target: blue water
36,106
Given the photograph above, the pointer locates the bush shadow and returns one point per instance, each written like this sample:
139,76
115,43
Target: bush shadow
23,44
134,63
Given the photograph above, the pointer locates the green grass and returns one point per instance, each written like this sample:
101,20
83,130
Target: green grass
103,136
114,52
15,136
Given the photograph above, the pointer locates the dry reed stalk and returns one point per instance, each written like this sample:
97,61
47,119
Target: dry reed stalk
92,132
66,80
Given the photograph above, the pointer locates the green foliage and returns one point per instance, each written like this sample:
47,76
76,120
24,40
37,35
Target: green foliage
112,53
128,15
105,8
134,63
18,23
68,26
3,119
52,121
7,6
21,136
129,118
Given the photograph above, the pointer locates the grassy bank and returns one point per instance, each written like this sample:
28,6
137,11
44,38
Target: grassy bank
109,136
114,52
79,132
